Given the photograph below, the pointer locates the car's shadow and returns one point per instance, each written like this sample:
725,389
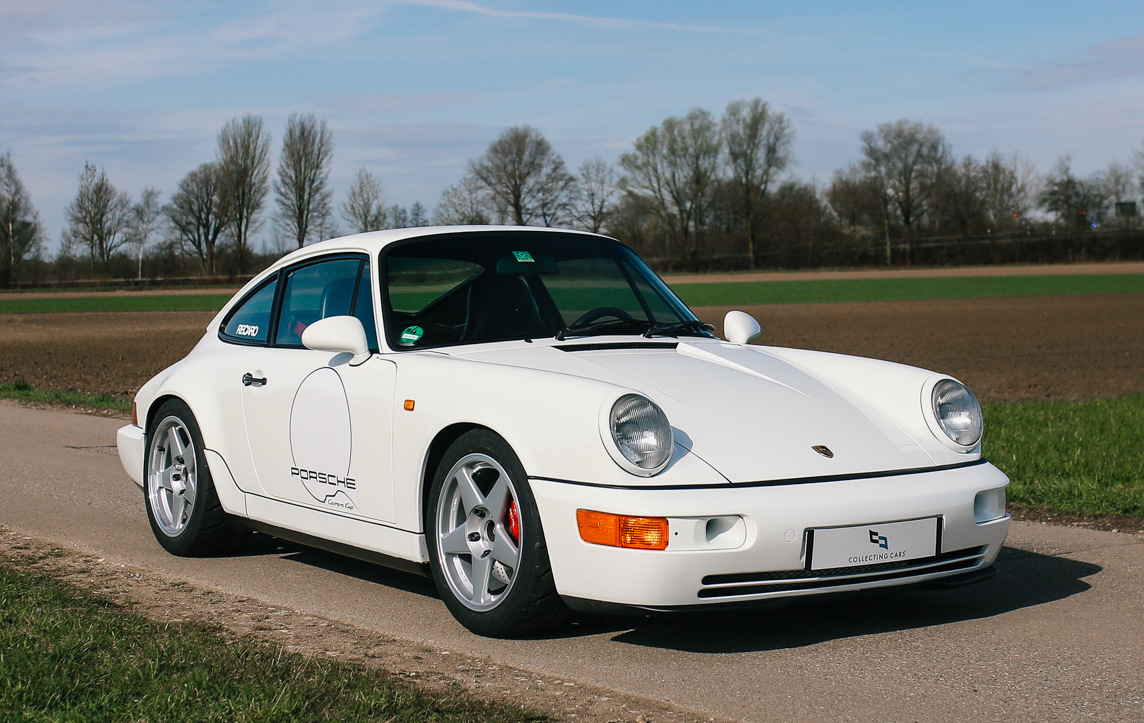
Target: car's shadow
1026,579
260,544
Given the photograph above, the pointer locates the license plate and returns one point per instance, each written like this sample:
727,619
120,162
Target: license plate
873,544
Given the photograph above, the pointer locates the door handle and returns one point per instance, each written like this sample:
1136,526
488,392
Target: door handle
247,380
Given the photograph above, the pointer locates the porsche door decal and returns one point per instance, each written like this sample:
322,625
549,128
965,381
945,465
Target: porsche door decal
320,440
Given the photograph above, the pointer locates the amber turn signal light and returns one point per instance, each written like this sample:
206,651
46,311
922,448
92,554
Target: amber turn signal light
641,533
409,403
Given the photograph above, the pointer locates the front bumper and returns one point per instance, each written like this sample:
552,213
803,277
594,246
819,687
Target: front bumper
129,441
769,559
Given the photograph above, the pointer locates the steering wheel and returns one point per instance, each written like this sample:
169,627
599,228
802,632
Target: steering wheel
590,316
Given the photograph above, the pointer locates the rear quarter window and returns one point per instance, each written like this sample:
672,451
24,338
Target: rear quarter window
249,322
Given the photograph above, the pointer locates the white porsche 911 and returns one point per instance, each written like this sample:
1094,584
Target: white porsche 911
532,417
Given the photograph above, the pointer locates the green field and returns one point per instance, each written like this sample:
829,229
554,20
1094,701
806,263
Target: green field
70,655
749,293
13,304
732,293
26,392
1085,457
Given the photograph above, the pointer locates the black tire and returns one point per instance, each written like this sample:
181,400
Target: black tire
169,473
518,599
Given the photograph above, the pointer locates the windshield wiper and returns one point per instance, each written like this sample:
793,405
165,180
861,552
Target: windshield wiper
615,326
675,328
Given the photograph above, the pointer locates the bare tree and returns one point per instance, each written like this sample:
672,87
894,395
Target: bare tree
759,147
198,215
675,166
99,216
418,215
1138,161
594,194
855,199
244,167
1119,183
398,216
1074,201
908,158
21,233
525,178
1120,186
363,208
1007,187
302,188
466,203
143,222
961,199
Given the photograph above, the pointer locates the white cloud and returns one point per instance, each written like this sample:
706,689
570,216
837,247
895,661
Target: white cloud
1118,58
87,49
604,23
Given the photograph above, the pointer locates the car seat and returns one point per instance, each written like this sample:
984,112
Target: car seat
501,307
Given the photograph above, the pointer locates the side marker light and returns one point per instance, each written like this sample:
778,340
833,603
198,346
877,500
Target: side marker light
409,405
641,533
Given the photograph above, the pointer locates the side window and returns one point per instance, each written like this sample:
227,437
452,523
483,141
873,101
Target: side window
314,292
363,307
250,320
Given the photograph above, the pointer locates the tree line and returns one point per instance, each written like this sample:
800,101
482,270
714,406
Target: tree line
694,191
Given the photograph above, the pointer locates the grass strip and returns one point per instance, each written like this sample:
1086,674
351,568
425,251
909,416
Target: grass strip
190,302
1085,457
26,392
71,655
749,293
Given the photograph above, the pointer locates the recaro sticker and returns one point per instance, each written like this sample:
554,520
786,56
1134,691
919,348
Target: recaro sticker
411,334
523,256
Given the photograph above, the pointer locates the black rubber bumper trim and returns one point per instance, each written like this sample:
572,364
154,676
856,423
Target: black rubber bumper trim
596,607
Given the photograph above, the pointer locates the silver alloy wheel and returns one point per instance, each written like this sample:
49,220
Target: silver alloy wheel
475,550
172,475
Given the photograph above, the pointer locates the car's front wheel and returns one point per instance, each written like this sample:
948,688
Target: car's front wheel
182,505
486,545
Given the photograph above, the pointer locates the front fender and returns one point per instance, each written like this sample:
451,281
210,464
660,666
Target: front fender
551,420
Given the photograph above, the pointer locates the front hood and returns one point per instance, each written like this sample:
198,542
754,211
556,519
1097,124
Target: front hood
751,416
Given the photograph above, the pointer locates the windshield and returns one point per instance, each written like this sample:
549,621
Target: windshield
498,286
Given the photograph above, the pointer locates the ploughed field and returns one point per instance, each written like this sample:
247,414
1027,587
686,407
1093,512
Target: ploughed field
1079,346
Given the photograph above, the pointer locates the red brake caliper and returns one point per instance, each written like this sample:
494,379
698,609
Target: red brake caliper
514,521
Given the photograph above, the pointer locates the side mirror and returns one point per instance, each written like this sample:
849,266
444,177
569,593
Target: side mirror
339,334
740,327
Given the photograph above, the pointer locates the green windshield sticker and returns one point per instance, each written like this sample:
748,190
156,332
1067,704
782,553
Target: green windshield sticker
410,336
523,256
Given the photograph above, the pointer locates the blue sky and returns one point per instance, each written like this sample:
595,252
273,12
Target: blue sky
414,89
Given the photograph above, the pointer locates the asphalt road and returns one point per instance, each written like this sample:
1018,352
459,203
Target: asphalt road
1058,635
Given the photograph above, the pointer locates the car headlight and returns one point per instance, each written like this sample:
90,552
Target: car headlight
641,434
957,412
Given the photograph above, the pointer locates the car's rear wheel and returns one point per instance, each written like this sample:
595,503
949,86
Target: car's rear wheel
486,545
182,505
